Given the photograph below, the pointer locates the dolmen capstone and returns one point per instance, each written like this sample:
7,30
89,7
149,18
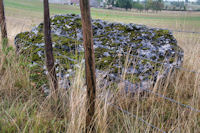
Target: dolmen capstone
135,53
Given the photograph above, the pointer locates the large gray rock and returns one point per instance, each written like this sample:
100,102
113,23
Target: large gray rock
115,44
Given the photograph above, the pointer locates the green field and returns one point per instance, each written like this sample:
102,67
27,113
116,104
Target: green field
171,20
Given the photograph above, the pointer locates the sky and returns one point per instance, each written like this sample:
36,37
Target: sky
183,0
176,0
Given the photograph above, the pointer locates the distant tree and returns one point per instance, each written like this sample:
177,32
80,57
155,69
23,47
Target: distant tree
166,7
111,2
185,8
148,5
157,5
181,5
138,6
127,4
178,5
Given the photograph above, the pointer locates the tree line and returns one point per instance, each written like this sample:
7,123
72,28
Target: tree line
156,5
153,5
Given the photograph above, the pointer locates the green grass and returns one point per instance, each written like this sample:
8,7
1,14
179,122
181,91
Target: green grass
169,20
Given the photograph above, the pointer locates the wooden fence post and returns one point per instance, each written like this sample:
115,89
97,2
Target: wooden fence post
48,48
89,64
3,21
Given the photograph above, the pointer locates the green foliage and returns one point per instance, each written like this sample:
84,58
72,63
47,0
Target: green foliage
156,5
4,44
178,5
111,2
127,4
138,6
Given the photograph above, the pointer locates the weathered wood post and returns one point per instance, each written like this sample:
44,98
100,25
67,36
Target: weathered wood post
89,64
3,22
48,48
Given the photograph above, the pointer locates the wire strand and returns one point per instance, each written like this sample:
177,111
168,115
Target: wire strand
137,118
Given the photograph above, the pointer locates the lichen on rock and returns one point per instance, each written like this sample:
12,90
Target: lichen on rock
115,45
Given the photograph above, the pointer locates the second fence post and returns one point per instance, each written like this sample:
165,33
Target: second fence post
89,64
3,22
49,49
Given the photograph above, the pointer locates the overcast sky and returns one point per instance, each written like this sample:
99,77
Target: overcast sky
182,0
175,0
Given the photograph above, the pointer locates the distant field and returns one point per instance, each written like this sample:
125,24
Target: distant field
22,15
172,20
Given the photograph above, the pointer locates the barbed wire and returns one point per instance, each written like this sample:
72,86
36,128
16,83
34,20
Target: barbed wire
164,64
191,37
137,118
139,90
162,96
147,123
193,32
173,101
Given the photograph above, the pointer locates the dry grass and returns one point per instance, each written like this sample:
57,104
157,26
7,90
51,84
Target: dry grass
24,108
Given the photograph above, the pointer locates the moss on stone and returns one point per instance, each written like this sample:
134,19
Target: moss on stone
133,78
105,62
39,38
112,40
160,33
